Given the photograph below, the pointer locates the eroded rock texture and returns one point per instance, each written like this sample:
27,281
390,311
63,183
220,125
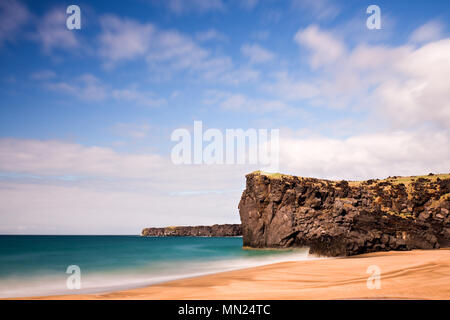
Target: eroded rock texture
346,218
217,230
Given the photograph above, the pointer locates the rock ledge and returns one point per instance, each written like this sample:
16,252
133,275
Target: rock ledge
337,218
217,230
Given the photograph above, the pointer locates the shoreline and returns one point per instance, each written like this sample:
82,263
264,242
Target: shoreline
417,274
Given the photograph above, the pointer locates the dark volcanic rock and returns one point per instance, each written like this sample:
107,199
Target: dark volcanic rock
341,218
217,230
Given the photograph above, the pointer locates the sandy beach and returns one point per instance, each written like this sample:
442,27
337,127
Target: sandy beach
418,274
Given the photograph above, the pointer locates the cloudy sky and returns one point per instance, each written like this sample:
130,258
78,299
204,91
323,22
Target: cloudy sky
86,115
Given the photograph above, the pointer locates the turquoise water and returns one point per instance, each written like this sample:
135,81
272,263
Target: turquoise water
36,265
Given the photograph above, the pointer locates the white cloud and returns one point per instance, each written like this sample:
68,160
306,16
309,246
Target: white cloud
178,51
291,89
53,158
324,46
85,87
79,189
89,88
248,4
256,54
238,102
123,39
201,6
13,16
317,9
260,34
165,51
430,31
238,76
180,7
272,16
43,75
132,130
211,35
375,155
422,93
65,209
58,158
146,99
402,86
52,32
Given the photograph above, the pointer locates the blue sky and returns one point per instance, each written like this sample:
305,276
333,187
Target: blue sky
84,111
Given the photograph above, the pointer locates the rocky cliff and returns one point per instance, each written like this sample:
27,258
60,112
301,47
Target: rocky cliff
346,218
217,230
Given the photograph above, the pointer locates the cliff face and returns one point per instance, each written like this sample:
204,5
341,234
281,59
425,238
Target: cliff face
217,230
346,218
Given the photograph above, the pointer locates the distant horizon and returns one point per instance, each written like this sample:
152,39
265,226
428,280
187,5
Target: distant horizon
106,234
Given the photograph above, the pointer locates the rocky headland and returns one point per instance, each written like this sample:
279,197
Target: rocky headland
340,218
217,230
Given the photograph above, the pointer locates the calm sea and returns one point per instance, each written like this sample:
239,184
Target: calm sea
37,265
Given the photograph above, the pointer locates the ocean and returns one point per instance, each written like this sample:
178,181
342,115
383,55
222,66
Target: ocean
37,265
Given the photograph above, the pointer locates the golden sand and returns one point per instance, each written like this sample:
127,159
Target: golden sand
418,274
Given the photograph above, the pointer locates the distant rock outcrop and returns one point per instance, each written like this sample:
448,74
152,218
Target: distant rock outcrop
217,230
346,218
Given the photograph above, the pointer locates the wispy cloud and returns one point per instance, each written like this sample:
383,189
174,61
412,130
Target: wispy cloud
188,6
365,156
238,102
132,130
317,9
43,75
87,87
13,16
404,82
123,39
324,46
248,4
260,35
170,51
52,34
431,31
257,54
125,189
140,98
211,35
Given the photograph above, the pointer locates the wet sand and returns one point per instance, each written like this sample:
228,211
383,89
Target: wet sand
418,274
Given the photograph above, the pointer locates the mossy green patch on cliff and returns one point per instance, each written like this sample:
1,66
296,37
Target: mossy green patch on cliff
277,175
274,175
392,180
403,180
